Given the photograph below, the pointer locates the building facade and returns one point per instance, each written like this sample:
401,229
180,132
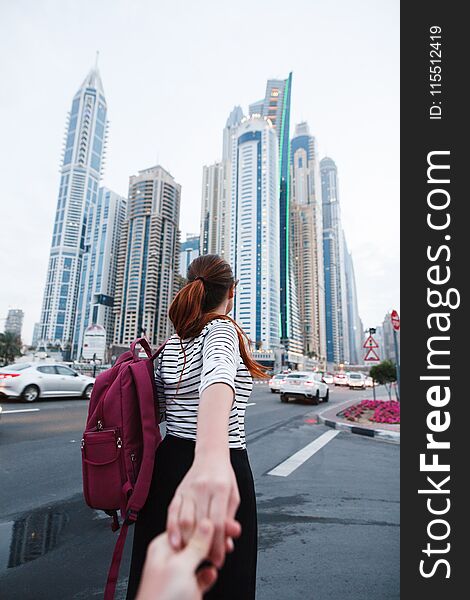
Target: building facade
36,334
99,264
14,321
213,217
148,271
189,250
336,311
307,240
255,230
81,170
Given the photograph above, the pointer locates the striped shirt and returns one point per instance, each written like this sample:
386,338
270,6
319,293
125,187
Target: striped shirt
211,357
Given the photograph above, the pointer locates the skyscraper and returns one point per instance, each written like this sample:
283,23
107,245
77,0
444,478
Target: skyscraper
147,270
80,175
355,327
189,250
234,119
255,230
337,334
276,107
14,321
99,264
307,239
216,185
212,210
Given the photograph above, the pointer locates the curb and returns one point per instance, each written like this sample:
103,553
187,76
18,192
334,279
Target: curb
383,434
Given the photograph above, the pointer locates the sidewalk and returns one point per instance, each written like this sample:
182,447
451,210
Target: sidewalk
385,431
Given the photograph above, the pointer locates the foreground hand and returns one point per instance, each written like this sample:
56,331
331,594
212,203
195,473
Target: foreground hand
208,490
170,575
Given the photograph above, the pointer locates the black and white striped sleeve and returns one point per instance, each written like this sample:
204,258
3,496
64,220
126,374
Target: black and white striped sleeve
220,355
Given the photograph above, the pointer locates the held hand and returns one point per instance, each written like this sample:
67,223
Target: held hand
170,575
209,489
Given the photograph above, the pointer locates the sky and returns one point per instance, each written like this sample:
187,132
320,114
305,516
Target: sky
172,71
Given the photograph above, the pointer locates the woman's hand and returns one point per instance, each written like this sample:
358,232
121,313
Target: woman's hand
209,489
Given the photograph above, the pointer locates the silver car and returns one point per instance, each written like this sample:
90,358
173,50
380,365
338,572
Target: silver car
31,381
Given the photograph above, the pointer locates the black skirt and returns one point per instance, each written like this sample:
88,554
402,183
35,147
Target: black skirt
237,578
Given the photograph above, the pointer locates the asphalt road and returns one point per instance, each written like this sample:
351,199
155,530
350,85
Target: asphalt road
329,530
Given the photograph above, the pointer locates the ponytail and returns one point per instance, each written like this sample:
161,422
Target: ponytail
210,278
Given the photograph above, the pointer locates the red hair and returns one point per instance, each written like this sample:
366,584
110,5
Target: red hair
209,279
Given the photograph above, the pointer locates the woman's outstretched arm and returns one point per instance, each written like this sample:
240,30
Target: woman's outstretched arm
210,489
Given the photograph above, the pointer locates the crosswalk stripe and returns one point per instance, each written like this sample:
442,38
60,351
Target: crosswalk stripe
22,410
297,459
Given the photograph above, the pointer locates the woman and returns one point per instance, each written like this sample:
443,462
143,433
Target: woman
204,380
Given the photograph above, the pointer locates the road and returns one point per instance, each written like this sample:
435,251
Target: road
328,530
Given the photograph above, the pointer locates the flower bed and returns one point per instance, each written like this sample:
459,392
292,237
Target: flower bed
377,411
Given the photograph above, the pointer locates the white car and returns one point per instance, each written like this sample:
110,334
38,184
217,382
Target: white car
328,378
31,381
275,382
304,384
340,379
356,381
369,382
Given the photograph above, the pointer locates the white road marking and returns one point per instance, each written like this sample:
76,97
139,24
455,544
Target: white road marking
20,410
250,403
297,459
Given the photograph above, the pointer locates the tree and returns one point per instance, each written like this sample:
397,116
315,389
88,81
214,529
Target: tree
385,373
10,346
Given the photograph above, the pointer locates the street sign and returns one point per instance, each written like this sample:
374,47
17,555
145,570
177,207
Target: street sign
371,356
395,320
370,343
94,342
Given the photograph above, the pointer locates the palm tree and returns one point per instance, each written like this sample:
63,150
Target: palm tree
10,346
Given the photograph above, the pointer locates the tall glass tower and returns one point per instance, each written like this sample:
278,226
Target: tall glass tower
307,239
276,107
254,230
81,170
148,262
336,305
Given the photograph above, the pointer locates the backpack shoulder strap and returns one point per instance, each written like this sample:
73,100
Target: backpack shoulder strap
143,375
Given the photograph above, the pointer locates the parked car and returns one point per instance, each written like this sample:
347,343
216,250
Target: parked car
340,379
275,382
356,381
369,382
31,381
304,384
328,378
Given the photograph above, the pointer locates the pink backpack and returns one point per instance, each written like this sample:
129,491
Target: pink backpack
119,444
